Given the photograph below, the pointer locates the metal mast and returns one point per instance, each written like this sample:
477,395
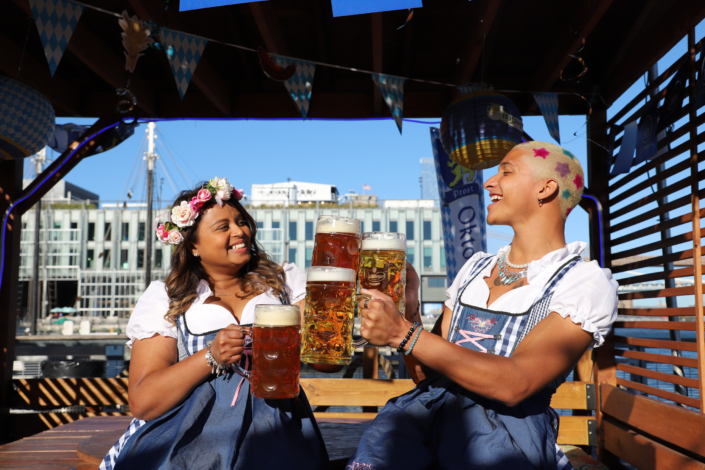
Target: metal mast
149,236
35,311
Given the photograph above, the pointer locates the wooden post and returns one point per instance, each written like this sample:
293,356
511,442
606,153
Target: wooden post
695,200
370,370
10,187
598,182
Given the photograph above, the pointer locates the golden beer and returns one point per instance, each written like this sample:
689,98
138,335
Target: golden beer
328,316
383,265
337,242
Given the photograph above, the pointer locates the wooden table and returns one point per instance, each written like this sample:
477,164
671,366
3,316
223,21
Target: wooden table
83,444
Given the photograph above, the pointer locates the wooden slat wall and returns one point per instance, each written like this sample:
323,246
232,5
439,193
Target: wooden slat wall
660,356
658,349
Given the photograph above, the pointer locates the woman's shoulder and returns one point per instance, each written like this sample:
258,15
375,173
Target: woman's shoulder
147,318
156,291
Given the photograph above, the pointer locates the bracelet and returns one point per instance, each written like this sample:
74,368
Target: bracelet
408,335
411,346
216,367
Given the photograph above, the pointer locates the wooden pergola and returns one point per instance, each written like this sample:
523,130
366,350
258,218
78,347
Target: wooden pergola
520,46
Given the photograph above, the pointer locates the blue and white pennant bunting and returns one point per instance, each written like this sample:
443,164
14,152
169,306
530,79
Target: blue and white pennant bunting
392,89
466,88
548,104
186,51
56,20
301,84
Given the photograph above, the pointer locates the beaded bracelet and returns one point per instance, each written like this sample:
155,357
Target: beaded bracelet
411,346
408,335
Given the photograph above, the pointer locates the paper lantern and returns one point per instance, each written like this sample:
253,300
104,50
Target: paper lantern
26,120
480,128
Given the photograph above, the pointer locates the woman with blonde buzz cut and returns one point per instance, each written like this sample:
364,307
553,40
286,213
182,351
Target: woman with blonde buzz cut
513,327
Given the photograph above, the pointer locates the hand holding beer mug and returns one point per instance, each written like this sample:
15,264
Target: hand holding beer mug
328,315
276,349
337,242
383,265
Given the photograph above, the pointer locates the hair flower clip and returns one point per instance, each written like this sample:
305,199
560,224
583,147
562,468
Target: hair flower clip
168,226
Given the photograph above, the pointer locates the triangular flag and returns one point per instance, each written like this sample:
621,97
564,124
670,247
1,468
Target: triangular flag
392,89
548,104
183,51
466,88
56,20
300,85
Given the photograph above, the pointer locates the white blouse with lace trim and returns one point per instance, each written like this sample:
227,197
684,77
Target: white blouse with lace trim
587,293
147,319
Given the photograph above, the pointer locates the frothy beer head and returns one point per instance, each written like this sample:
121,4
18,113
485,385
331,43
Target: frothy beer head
386,241
277,315
330,274
336,224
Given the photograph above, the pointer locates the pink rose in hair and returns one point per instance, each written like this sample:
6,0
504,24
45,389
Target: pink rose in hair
183,215
175,237
238,193
162,233
203,196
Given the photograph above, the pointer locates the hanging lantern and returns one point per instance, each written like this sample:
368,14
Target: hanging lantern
26,120
480,128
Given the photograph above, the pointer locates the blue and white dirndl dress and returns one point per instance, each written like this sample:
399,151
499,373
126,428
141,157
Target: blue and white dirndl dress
222,426
440,424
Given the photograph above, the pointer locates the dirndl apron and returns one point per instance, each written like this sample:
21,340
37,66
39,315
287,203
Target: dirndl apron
222,426
440,424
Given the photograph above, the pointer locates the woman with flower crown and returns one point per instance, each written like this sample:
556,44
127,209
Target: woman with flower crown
185,331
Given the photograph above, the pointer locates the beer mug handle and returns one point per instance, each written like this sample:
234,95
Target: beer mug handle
357,299
246,352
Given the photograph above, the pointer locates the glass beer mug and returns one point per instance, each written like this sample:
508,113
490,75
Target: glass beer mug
383,265
328,316
337,242
276,350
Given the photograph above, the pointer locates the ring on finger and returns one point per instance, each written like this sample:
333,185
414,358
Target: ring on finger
365,305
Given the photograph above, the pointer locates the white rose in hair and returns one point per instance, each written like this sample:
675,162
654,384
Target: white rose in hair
223,189
183,215
175,237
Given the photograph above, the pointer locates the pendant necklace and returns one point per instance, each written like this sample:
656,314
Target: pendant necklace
226,295
506,276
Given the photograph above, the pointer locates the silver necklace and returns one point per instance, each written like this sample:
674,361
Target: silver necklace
506,276
226,295
512,265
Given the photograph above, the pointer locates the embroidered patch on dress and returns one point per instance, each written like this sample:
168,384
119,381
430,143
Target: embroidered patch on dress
542,152
578,180
563,169
359,466
482,325
566,194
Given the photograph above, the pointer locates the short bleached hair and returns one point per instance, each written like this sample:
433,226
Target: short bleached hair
550,161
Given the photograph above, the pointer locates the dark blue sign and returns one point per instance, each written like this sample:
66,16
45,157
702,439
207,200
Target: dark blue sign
646,141
359,7
461,191
186,5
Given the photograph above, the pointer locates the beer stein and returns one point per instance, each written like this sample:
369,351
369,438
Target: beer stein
337,242
383,265
329,315
276,352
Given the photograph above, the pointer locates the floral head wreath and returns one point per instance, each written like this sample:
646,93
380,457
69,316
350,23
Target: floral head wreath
169,226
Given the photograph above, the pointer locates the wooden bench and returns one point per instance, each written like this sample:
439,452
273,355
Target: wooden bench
575,430
650,434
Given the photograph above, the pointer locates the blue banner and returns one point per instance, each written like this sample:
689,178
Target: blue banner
186,5
462,209
359,7
647,143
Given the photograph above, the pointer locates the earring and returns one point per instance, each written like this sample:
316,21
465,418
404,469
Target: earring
540,201
195,254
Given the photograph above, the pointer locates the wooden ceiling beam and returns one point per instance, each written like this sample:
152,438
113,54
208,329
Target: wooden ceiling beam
61,94
477,42
206,78
566,44
377,59
95,54
269,28
322,41
658,40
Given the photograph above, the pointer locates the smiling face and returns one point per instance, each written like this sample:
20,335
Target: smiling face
224,240
513,190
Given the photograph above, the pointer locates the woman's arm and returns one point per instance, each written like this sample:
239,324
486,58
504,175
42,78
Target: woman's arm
551,348
159,382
